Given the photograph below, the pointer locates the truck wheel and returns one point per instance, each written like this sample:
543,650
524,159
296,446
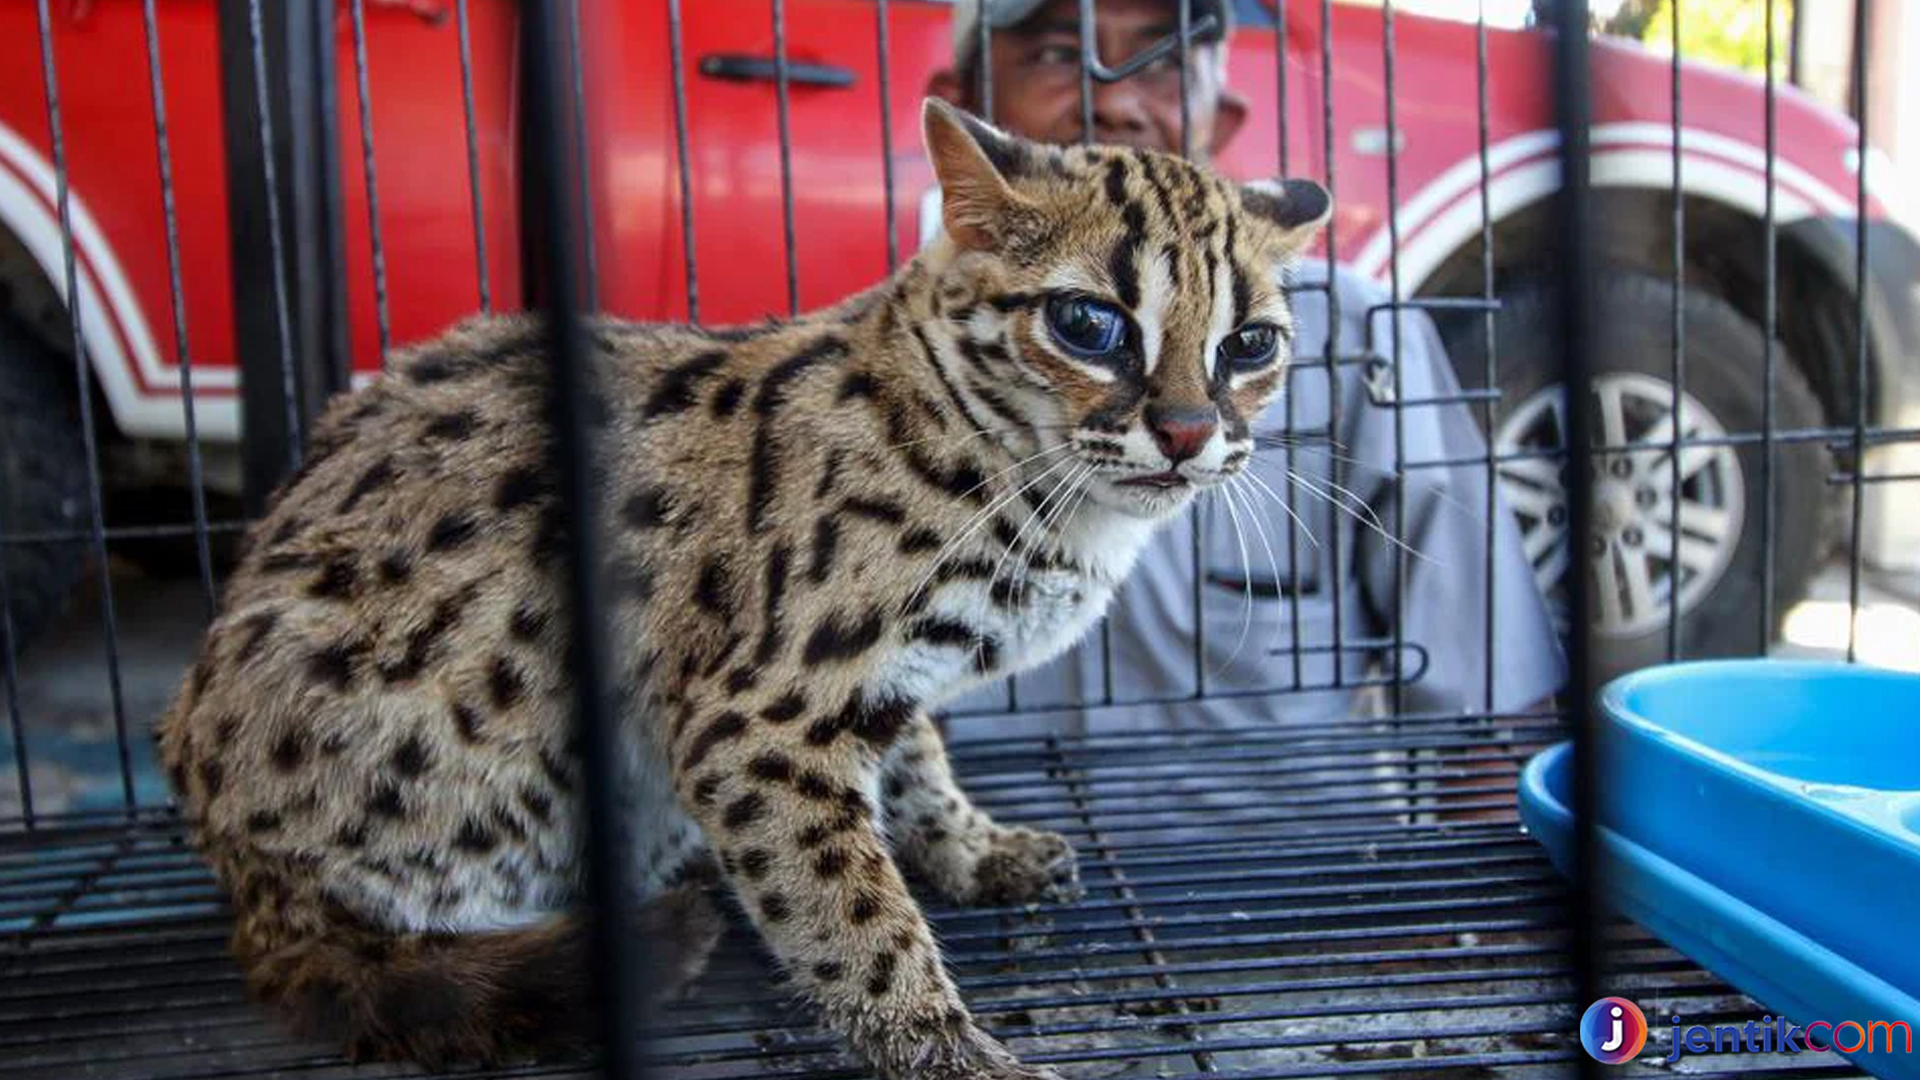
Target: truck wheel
1717,578
43,482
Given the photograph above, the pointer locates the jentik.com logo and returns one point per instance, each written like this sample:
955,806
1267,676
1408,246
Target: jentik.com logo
1613,1030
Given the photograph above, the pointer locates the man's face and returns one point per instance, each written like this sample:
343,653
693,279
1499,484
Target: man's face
1035,73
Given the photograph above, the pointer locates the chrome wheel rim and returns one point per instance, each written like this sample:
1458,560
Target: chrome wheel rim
1632,564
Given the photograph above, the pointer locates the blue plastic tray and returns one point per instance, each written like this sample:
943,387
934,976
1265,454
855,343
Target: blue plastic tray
1763,817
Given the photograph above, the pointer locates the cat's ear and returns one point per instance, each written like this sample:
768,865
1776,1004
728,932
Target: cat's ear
972,160
1299,208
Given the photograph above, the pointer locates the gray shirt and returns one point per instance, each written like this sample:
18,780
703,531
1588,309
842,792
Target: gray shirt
1271,599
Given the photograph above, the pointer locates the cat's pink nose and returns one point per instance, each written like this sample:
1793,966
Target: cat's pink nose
1181,433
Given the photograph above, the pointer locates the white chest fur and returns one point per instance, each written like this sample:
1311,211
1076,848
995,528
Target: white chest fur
1027,626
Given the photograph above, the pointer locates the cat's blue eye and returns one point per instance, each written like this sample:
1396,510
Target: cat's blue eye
1086,328
1249,348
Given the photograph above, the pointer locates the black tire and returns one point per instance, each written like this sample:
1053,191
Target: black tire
43,481
1724,352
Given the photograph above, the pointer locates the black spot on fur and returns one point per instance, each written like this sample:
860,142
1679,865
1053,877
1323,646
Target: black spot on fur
881,980
918,541
774,908
764,467
411,759
772,636
556,769
475,837
713,590
840,641
1116,182
518,488
952,633
813,784
395,567
454,425
876,720
289,751
538,804
741,679
773,387
785,708
763,474
828,971
744,811
528,623
646,509
339,579
388,802
420,643
466,720
830,863
505,685
724,728
452,531
754,863
860,384
829,475
727,399
288,529
705,788
826,537
813,836
772,766
677,388
212,776
880,510
864,909
261,821
335,665
378,475
352,836
1123,262
257,627
438,367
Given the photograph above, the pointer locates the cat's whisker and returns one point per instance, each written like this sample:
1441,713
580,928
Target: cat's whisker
1371,520
1385,474
1263,486
1043,452
1260,530
1246,581
1073,476
1075,495
1049,529
979,519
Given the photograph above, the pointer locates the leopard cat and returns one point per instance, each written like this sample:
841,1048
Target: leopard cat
817,531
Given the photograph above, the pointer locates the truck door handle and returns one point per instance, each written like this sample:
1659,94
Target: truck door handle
741,68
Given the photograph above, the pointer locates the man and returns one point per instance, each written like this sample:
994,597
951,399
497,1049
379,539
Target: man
1266,579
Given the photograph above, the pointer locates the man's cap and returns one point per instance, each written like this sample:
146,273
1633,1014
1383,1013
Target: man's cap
1006,14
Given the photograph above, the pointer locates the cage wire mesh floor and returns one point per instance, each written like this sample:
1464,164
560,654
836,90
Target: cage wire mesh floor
1297,902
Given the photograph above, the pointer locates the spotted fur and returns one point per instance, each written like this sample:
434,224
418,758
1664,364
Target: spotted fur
817,531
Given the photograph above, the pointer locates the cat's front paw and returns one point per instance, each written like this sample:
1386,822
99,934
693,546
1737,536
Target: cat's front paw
1023,866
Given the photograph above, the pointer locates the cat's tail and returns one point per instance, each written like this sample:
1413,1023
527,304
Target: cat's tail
442,999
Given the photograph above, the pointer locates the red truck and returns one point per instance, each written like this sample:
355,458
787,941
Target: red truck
427,210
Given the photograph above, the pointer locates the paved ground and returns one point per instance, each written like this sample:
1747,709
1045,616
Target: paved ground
65,696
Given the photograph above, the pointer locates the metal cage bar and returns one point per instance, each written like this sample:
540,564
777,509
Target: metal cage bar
552,58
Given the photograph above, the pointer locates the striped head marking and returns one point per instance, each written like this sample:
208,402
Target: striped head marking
1121,302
